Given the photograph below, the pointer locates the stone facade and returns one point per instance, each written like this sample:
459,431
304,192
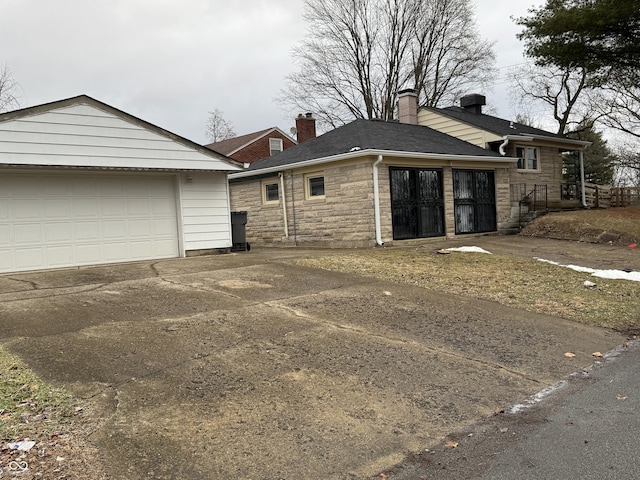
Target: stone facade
344,217
549,172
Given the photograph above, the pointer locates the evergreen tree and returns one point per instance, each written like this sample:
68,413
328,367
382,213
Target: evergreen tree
599,160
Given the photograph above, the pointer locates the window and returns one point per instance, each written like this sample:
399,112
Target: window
275,146
270,191
527,158
315,185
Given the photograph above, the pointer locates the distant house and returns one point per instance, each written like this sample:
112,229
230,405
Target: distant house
254,146
373,182
84,183
538,171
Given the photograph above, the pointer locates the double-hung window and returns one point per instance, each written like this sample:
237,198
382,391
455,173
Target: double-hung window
528,158
275,146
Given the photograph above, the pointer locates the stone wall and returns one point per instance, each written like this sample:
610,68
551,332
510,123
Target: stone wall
503,194
344,218
550,172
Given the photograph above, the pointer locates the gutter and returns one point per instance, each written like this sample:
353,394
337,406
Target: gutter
376,201
570,141
376,152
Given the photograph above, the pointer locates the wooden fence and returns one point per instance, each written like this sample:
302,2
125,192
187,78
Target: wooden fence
601,196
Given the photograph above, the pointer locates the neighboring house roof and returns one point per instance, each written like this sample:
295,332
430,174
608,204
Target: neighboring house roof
232,145
372,137
188,156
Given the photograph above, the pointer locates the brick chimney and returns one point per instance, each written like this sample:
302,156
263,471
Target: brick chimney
473,103
305,127
408,106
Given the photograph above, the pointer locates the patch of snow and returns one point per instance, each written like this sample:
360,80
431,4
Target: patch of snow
538,397
468,249
610,274
618,275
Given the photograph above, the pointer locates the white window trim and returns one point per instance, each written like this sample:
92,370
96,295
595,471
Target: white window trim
263,189
279,146
307,186
539,163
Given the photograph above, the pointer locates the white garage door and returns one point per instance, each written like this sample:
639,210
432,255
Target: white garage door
50,221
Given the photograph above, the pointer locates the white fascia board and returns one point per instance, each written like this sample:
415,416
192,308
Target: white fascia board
120,163
362,153
567,141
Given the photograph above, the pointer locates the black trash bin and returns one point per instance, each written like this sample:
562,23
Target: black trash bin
238,232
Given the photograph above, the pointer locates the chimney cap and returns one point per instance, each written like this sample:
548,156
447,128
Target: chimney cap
407,91
473,100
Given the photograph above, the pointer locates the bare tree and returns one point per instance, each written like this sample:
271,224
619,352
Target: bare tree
620,104
360,53
628,166
564,91
218,128
8,87
448,57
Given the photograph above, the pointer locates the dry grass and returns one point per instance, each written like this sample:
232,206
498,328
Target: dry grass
527,284
29,407
623,223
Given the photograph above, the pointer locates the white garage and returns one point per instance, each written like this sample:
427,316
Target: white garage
82,183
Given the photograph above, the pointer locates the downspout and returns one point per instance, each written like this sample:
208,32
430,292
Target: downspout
293,209
503,145
284,205
584,196
376,201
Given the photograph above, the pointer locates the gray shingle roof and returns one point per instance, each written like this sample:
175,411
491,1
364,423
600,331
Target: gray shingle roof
496,125
373,135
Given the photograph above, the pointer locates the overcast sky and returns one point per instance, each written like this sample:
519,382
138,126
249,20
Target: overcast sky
170,62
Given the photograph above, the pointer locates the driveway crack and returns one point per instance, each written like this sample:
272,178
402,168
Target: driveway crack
394,339
34,285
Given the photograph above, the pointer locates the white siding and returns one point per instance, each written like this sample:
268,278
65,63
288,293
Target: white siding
84,135
205,211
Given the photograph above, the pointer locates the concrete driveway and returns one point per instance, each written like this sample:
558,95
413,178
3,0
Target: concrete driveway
247,366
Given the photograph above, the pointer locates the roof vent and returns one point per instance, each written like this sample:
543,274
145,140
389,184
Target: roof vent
473,103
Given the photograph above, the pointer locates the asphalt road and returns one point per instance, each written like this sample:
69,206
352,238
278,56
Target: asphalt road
587,429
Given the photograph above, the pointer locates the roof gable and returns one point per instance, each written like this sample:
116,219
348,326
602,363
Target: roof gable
233,145
84,132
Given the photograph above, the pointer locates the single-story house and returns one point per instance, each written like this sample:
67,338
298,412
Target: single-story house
84,183
538,171
372,182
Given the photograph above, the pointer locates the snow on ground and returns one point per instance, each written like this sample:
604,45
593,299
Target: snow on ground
468,249
611,274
